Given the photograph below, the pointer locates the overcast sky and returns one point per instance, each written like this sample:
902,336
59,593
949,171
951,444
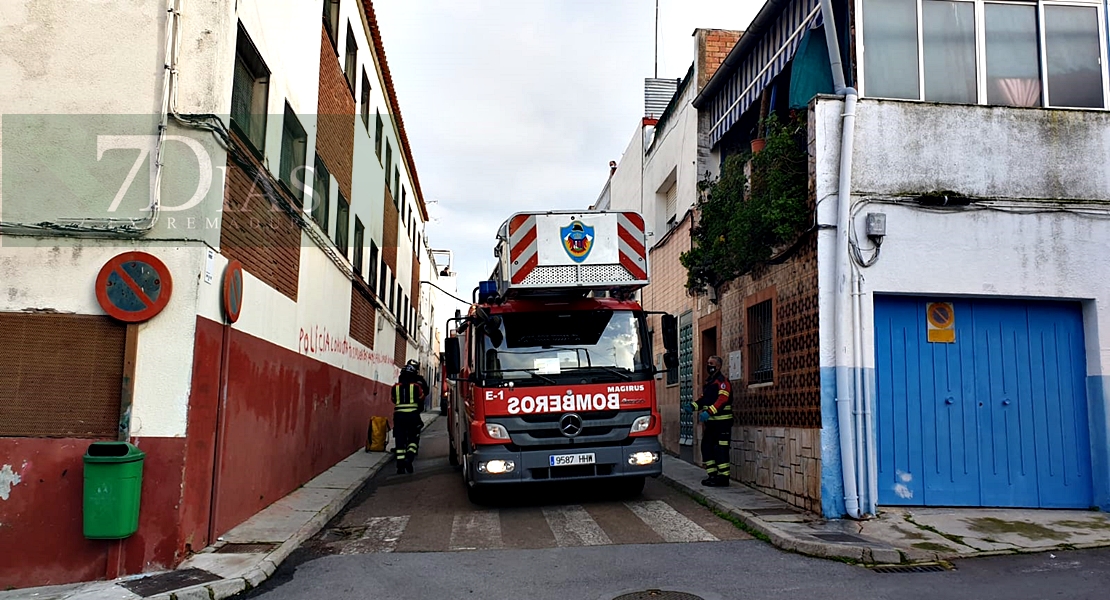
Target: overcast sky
515,105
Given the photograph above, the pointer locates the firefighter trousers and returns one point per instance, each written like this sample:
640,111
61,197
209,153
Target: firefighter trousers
406,433
715,441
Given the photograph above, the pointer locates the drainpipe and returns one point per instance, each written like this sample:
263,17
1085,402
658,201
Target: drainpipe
846,399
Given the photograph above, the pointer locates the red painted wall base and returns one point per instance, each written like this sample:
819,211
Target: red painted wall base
286,418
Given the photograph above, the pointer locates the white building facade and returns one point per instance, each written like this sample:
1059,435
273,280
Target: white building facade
270,140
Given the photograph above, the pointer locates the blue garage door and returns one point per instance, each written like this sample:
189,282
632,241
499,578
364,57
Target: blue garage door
996,418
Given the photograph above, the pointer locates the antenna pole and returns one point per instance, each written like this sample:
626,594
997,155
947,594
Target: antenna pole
657,39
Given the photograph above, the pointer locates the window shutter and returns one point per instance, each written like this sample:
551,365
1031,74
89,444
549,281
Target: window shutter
672,202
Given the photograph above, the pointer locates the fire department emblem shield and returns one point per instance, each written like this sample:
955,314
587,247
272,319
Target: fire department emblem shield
578,240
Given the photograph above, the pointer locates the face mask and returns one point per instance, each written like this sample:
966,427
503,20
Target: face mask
712,370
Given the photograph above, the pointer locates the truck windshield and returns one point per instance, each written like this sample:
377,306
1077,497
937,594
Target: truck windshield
542,345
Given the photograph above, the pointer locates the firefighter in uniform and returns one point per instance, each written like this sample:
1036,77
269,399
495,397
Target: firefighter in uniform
408,400
714,408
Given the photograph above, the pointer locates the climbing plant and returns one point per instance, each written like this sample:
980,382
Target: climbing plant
743,220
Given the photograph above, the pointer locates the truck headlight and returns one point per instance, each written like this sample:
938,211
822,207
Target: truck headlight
496,431
496,467
641,459
641,424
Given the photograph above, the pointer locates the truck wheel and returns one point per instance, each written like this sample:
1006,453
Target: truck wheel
452,454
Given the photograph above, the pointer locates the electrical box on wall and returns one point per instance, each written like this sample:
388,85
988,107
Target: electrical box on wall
875,225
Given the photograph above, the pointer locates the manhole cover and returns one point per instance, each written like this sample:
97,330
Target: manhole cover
246,548
910,569
157,584
658,595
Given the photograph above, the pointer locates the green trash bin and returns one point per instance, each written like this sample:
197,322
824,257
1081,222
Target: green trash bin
113,482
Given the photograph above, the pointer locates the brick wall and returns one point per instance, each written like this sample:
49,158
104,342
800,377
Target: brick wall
713,45
335,133
255,231
776,445
667,292
363,315
793,398
390,219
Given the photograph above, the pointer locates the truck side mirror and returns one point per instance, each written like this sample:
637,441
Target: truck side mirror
670,359
453,356
670,335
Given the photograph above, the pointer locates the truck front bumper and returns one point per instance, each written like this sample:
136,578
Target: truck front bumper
535,465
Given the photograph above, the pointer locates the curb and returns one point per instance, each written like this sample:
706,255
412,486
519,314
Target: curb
786,541
225,588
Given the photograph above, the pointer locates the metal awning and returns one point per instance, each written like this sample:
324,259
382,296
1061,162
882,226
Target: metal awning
758,59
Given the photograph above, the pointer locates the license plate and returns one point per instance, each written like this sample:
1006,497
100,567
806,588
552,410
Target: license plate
563,460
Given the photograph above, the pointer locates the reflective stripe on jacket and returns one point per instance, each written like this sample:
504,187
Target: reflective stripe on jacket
406,397
716,398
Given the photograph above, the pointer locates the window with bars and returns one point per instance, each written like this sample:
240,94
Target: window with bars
360,239
294,150
342,224
350,60
761,343
250,90
321,194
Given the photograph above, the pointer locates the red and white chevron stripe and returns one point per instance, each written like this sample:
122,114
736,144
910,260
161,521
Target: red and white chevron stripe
524,245
523,249
633,255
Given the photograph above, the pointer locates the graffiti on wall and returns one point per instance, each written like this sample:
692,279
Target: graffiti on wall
317,341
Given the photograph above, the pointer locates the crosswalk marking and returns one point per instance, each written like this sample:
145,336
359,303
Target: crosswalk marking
573,526
481,529
569,526
381,535
670,524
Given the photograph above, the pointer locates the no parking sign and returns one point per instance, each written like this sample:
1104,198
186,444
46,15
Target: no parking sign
233,291
133,287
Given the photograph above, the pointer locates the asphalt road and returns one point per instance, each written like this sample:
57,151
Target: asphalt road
417,536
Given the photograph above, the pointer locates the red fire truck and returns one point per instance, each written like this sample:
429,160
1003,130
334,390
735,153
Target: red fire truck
551,371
